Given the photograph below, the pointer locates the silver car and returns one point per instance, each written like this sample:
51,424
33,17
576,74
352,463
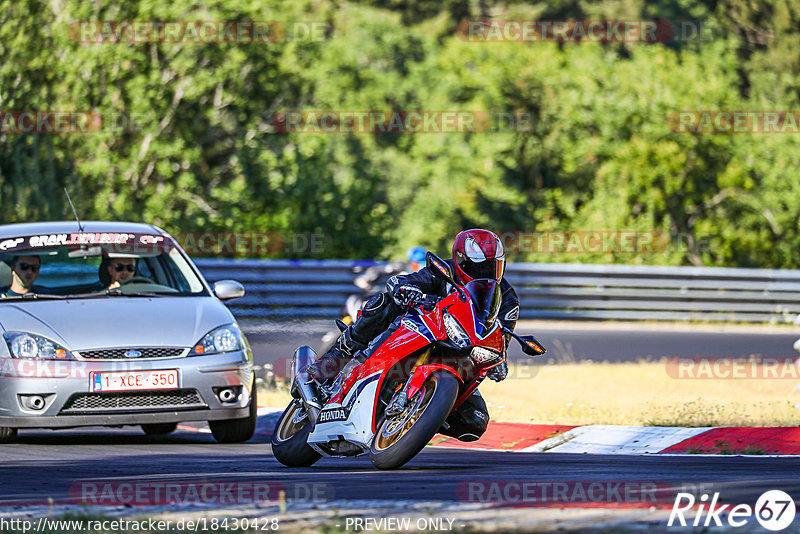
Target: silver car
112,324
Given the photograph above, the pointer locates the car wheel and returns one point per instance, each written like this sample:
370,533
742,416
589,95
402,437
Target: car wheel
158,429
7,435
237,430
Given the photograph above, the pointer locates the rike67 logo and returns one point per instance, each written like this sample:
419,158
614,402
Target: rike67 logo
774,510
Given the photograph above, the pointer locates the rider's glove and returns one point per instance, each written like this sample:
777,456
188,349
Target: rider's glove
407,295
499,372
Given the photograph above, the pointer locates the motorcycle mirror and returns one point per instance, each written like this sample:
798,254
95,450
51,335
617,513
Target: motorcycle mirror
438,266
530,346
441,269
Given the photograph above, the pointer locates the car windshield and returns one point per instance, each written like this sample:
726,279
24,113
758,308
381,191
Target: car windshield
95,265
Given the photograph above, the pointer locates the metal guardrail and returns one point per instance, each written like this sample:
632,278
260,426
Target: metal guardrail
308,288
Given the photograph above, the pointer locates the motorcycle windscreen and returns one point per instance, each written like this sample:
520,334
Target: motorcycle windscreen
486,298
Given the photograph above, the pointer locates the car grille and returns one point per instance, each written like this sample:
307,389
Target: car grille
119,354
82,403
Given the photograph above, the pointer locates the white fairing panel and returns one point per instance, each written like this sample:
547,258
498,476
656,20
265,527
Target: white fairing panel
351,420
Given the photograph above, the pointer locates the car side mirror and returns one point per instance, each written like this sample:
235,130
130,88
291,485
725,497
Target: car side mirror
228,289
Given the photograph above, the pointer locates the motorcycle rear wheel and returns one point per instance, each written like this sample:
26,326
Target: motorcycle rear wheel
397,440
290,438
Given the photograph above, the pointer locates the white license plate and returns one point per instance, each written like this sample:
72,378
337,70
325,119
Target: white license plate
135,380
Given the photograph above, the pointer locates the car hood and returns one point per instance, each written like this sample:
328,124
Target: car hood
107,322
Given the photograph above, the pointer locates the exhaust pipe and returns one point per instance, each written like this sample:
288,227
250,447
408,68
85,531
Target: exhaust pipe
302,385
226,395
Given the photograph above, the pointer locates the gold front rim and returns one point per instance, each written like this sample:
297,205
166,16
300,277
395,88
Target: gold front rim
392,430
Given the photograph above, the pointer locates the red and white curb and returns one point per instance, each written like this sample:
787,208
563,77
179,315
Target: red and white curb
598,439
620,439
614,439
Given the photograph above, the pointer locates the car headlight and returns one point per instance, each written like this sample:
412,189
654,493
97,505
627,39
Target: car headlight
481,355
25,345
226,338
455,332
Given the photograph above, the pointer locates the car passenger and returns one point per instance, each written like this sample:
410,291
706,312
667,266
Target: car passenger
25,270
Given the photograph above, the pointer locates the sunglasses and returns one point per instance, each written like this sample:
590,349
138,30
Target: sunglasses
119,267
28,267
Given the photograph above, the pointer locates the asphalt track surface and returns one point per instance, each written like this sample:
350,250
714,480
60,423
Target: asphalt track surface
46,465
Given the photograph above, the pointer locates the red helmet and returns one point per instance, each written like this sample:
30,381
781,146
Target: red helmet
478,254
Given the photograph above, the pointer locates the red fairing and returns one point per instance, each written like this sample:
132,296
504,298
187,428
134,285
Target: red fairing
422,373
494,341
463,311
399,345
434,319
405,341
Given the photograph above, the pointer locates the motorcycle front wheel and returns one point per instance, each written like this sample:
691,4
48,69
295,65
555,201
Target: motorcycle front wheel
398,439
290,438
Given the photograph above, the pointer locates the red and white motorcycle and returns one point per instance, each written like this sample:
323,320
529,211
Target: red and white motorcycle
392,404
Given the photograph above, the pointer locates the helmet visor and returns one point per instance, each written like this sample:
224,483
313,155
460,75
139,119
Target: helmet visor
489,269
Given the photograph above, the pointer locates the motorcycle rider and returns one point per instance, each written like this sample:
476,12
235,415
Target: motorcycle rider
477,254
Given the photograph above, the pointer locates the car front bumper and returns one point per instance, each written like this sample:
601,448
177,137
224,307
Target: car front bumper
66,387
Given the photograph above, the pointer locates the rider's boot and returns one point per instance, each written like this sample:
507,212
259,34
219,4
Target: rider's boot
327,367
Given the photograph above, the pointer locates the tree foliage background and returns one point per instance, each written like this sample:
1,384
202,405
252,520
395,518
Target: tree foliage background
188,141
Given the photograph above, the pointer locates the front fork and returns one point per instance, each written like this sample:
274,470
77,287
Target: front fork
399,401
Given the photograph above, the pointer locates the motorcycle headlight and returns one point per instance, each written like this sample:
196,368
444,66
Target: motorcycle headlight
455,332
31,346
482,356
226,338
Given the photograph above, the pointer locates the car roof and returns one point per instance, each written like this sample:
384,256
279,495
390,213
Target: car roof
69,227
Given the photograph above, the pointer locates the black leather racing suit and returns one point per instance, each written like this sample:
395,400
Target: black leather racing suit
379,320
